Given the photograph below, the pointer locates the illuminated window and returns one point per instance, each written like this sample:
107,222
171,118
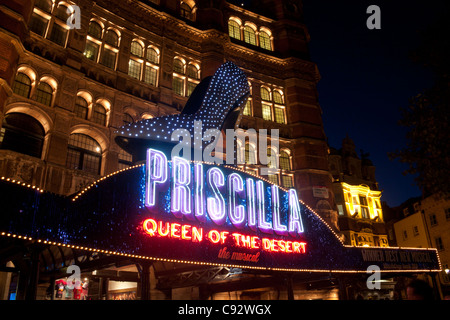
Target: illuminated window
44,93
22,133
178,66
234,29
185,77
91,51
279,114
264,40
99,114
84,153
249,35
248,108
61,12
364,207
151,75
287,181
22,85
134,69
152,55
178,85
285,162
277,97
267,112
265,94
137,49
81,108
273,178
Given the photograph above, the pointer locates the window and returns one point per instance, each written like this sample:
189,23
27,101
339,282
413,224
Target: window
266,112
405,235
102,46
99,114
250,154
285,162
178,85
95,30
279,114
91,50
58,34
248,108
152,55
447,213
273,178
415,231
265,94
22,85
273,108
44,93
136,49
249,35
364,207
134,69
38,24
234,29
112,38
127,119
125,159
22,133
186,11
44,5
433,220
439,243
264,40
84,153
108,58
287,181
185,77
81,108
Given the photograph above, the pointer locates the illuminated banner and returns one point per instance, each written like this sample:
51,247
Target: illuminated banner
198,213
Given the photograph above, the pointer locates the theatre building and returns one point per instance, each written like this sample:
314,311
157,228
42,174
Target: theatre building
94,205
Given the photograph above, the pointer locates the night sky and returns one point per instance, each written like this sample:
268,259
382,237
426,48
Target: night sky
367,75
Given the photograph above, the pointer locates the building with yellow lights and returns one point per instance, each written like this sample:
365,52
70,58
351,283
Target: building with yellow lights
357,197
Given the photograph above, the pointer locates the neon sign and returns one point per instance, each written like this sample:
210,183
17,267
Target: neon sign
231,198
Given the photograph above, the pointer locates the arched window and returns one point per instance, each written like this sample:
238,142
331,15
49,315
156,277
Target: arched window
249,35
84,153
178,66
264,40
186,10
127,119
81,108
192,71
272,157
152,55
265,94
137,49
285,162
112,38
277,97
234,29
44,93
95,30
22,85
22,133
99,114
44,5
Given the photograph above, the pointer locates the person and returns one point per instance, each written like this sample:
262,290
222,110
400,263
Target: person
419,290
